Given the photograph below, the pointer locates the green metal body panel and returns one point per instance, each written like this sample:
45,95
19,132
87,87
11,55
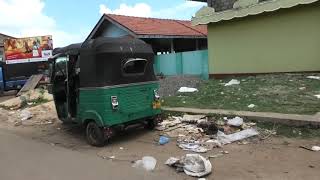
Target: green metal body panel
135,102
287,40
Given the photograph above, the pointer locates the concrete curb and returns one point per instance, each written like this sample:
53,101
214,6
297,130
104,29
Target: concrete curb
287,119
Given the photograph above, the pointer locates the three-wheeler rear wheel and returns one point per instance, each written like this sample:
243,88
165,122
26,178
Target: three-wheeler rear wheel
95,134
151,124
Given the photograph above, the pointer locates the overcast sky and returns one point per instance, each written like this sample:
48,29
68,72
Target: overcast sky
70,21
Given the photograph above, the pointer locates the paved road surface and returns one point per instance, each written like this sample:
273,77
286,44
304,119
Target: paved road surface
23,158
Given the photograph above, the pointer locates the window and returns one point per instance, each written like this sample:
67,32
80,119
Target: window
134,66
60,66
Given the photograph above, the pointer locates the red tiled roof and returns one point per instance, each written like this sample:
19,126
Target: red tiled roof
164,27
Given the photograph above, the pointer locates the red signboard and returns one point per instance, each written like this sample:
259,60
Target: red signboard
31,49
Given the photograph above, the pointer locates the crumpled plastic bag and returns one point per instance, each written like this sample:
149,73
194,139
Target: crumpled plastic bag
25,115
232,82
187,90
237,121
193,165
227,139
194,147
148,163
163,140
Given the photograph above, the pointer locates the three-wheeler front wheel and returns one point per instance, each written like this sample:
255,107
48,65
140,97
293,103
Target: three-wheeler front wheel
95,134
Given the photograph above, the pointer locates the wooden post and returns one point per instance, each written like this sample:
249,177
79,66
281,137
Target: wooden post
172,45
197,44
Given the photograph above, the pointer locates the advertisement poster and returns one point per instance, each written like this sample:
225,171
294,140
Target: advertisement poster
31,49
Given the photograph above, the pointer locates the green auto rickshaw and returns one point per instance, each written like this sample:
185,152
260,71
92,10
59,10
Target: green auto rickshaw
105,84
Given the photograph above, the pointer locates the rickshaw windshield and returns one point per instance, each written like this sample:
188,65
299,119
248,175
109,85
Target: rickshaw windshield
60,66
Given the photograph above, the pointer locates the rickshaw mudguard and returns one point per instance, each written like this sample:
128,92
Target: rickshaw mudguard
92,115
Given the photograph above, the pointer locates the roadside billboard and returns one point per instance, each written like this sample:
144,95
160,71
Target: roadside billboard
30,49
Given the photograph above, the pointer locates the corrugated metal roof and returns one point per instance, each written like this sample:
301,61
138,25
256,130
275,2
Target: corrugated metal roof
207,15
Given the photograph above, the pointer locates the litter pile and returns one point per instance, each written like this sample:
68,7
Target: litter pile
29,98
198,133
43,114
34,107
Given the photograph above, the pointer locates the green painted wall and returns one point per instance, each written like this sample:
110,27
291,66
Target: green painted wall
287,40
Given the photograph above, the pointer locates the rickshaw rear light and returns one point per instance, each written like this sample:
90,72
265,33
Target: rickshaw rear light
114,102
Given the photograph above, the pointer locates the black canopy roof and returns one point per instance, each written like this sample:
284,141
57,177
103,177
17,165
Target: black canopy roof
121,45
102,60
71,49
107,45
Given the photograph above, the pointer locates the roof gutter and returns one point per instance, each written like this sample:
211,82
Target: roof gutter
208,15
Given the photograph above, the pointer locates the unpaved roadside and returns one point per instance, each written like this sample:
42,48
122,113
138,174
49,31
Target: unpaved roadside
275,158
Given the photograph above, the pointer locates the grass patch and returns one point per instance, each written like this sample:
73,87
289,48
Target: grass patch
282,93
289,131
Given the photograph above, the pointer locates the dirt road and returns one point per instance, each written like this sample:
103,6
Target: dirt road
23,158
56,151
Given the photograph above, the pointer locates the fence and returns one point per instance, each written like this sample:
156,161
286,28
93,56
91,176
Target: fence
185,63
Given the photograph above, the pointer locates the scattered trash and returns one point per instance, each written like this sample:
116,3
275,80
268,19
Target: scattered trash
224,152
214,143
148,163
237,121
121,148
302,88
171,161
216,156
171,122
112,157
192,164
318,96
227,139
163,140
315,148
25,115
26,99
194,147
18,123
209,128
232,82
198,133
251,106
314,77
187,90
193,118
